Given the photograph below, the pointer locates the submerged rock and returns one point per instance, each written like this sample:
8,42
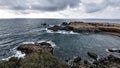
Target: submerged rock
45,24
92,55
64,23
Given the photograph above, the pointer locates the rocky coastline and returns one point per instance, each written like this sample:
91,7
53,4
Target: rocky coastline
40,55
83,27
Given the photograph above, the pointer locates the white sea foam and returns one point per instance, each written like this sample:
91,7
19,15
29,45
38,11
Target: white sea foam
112,49
61,32
17,54
50,42
28,43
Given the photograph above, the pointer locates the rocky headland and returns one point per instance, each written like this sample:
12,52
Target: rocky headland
40,55
85,27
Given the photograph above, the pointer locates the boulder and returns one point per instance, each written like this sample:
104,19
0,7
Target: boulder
112,50
55,28
44,24
77,59
45,44
86,62
92,55
35,48
113,58
68,28
64,23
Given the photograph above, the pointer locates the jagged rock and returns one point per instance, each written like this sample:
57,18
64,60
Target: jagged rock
45,44
92,55
86,62
32,48
64,23
44,24
113,58
110,61
68,28
77,59
55,28
112,50
88,27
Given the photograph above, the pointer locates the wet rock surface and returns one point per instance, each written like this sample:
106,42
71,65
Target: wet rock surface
64,23
55,28
77,59
110,61
38,47
38,55
114,50
45,24
92,55
82,27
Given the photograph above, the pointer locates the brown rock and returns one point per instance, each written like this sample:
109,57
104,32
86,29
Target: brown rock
32,48
55,28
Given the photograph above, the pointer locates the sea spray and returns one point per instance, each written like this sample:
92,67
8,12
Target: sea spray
47,41
61,32
17,54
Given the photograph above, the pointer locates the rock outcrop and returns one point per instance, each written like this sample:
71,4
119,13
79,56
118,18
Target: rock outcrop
112,50
77,59
92,55
45,24
38,55
79,27
108,62
55,28
36,48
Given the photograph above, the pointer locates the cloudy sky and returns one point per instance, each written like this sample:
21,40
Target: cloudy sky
60,9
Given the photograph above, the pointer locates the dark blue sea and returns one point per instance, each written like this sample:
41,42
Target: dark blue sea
14,32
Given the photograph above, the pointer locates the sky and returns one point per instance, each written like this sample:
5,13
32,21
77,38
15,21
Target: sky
108,9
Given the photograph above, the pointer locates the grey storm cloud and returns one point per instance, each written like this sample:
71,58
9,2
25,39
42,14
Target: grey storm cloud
94,7
56,5
42,5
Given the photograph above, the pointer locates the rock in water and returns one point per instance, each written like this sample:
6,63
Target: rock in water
64,23
92,55
44,24
77,59
113,58
112,50
55,28
36,48
45,44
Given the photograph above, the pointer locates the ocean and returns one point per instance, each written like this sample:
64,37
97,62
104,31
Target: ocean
66,44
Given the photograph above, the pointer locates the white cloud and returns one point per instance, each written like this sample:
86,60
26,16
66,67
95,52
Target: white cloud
60,9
